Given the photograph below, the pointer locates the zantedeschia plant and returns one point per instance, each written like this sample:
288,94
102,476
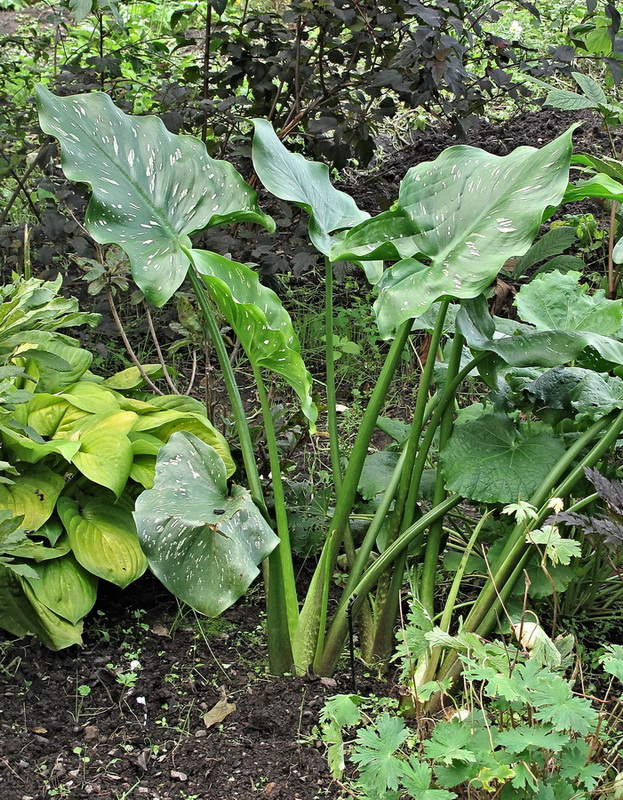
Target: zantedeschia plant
457,220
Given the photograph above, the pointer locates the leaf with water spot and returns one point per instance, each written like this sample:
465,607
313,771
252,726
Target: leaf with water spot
456,222
203,542
259,320
151,188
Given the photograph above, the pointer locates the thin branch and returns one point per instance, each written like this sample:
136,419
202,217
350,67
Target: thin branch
154,338
126,342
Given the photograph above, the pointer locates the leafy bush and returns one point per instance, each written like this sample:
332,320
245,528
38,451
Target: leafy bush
76,451
454,226
521,732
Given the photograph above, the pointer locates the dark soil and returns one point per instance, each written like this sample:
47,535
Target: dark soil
76,724
70,727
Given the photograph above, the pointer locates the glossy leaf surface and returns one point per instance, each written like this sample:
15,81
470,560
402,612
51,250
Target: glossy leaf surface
151,188
202,542
456,222
259,320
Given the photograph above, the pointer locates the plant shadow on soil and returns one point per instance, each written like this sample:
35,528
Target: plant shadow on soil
91,723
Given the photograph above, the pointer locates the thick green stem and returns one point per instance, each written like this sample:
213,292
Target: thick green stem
433,541
284,549
315,606
325,665
334,444
238,410
511,562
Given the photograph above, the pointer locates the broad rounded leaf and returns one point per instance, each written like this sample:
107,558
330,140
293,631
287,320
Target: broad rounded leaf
559,302
489,460
259,320
21,614
163,424
151,188
103,538
105,454
522,345
32,494
131,377
456,222
203,543
64,587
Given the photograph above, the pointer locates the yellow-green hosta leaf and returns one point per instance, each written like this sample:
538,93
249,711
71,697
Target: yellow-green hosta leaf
91,397
24,448
131,377
163,424
33,494
53,416
151,188
144,470
105,455
49,378
102,535
55,632
202,542
259,320
38,552
22,614
64,587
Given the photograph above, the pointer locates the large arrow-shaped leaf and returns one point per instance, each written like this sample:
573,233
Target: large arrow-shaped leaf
290,176
456,221
203,543
151,188
259,320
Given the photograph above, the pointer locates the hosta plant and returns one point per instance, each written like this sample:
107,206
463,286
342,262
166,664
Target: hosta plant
76,451
431,257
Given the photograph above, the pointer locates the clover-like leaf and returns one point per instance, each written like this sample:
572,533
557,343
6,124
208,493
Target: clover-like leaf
151,188
202,542
490,460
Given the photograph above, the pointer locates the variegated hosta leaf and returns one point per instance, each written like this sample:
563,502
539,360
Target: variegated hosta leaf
163,424
102,535
202,542
105,455
64,587
32,494
259,320
151,188
456,221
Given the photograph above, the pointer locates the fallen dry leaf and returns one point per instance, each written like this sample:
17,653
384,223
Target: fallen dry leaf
218,712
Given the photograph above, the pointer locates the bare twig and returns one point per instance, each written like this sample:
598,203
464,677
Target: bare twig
154,338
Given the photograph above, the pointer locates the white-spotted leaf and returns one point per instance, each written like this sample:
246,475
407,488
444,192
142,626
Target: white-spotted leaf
151,188
259,320
457,220
203,543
